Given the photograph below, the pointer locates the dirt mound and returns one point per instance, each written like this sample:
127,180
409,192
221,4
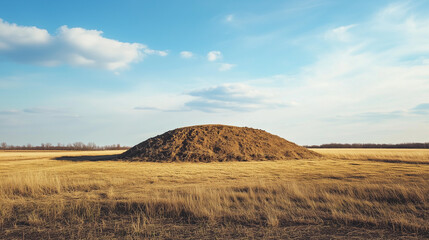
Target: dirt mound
208,143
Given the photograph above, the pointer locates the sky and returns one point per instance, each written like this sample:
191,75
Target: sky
310,71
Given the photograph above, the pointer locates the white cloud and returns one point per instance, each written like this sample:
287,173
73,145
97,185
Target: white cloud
214,55
393,12
234,97
13,36
229,18
226,66
186,54
155,52
383,70
72,46
340,33
88,48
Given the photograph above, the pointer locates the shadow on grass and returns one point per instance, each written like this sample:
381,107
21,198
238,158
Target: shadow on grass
89,158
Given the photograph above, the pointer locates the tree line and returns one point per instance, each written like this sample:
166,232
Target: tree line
371,145
80,146
77,146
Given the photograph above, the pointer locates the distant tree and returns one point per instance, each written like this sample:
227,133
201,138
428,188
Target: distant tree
91,146
75,146
372,145
78,145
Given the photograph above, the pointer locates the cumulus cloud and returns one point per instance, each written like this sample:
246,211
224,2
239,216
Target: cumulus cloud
226,66
13,36
186,54
72,46
235,97
214,55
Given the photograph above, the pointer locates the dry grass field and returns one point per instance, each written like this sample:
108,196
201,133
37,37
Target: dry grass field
349,193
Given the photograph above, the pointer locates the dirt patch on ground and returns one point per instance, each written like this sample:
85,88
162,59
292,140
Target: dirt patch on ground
208,143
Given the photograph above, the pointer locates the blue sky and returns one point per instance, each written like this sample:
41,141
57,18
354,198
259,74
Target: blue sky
121,71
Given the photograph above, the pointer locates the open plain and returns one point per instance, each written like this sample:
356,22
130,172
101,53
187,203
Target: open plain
347,193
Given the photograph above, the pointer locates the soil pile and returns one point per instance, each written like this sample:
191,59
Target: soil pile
208,143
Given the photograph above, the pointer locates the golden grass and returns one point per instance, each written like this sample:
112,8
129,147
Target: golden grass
390,155
347,192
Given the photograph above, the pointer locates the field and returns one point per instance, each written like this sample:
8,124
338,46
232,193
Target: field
349,193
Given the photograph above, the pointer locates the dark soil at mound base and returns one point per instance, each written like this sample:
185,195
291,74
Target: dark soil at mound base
208,143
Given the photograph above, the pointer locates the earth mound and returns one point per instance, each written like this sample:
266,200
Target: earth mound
215,143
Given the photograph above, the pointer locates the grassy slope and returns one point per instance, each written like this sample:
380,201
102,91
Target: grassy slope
349,193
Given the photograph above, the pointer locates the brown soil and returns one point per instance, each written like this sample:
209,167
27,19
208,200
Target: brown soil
215,143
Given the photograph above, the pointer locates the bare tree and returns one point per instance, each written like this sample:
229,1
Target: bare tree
78,145
91,146
75,146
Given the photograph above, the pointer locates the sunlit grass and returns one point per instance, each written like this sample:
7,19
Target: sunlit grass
398,155
117,199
